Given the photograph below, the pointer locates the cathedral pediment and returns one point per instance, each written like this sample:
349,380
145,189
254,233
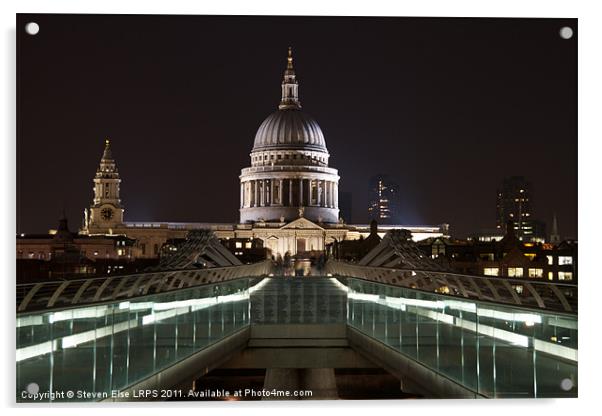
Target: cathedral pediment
302,223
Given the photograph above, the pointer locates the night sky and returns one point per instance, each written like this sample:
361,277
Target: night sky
446,107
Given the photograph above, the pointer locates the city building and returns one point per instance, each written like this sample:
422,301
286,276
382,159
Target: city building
508,257
554,235
61,242
515,206
353,250
62,253
487,234
289,197
384,200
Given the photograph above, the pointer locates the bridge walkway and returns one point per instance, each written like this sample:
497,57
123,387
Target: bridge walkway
434,343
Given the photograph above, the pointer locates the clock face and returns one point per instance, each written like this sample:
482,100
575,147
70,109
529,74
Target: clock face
106,214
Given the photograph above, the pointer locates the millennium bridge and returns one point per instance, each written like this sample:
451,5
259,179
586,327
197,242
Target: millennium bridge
440,334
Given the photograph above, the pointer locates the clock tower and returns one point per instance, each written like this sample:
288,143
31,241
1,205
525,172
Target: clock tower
106,211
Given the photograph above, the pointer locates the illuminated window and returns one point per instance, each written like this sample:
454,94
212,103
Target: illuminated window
487,256
550,275
550,260
515,272
567,276
248,244
238,244
518,288
491,271
120,252
562,260
535,272
530,256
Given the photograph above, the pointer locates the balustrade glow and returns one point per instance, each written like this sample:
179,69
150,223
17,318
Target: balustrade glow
492,349
110,346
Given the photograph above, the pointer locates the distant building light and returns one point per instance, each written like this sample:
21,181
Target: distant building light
491,271
515,272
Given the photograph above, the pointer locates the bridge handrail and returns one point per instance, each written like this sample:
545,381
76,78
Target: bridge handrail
45,295
539,295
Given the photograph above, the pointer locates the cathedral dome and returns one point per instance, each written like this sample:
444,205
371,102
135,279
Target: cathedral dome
289,129
289,176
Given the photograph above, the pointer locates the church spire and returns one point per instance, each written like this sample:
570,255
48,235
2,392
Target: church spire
107,155
106,211
554,236
290,86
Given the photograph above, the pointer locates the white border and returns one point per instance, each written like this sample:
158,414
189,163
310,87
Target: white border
590,94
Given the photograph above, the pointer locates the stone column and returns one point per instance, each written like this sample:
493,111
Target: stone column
280,192
266,193
255,200
319,196
290,192
242,195
300,192
336,195
246,195
271,192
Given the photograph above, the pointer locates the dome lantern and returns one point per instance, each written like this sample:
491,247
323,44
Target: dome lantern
289,128
290,86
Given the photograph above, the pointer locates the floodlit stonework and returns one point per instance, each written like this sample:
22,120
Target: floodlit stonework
288,196
289,166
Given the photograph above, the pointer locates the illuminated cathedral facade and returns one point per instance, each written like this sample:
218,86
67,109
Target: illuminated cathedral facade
288,194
